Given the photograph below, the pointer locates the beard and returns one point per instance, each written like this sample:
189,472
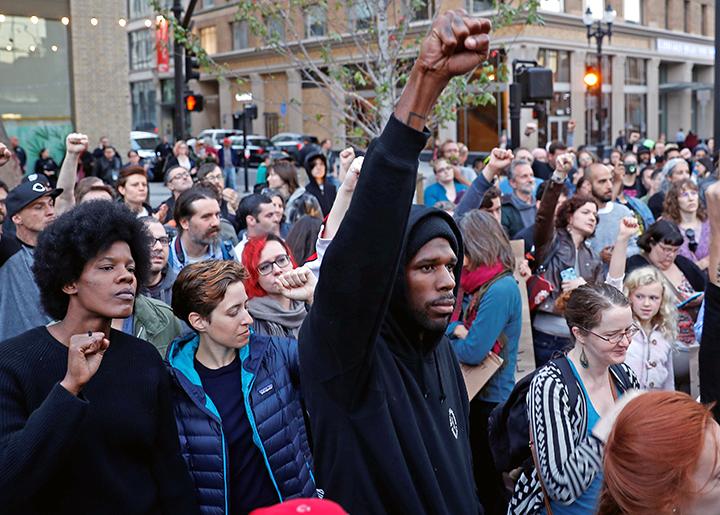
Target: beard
427,320
208,238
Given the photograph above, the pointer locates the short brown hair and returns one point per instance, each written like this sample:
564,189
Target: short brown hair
200,287
585,306
562,220
126,173
88,184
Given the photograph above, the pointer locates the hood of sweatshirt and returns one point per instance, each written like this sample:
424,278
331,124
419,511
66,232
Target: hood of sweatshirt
404,334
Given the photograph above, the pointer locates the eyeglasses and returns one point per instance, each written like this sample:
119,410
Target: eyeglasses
443,169
267,267
689,193
628,333
181,175
668,250
214,176
163,240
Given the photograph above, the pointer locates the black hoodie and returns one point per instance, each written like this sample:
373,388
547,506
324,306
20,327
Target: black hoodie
388,406
326,194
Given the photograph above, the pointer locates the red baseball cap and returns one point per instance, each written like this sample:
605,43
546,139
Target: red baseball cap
302,506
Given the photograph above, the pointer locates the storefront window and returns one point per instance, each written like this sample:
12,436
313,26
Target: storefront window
144,117
635,111
558,61
35,84
597,131
635,71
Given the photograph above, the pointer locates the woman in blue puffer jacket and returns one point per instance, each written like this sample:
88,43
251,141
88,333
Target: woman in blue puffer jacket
236,397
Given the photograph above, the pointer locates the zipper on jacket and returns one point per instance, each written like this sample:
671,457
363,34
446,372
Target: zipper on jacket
256,435
225,470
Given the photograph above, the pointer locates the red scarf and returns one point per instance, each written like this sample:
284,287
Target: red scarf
470,282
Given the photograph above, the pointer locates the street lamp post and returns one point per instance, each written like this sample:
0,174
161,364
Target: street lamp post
595,30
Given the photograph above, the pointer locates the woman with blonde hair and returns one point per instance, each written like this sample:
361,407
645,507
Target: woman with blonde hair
650,352
661,458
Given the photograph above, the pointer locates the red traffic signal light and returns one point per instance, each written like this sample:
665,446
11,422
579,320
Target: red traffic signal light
591,78
194,103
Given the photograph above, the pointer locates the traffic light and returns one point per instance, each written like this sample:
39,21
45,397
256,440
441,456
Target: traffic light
194,103
591,78
192,67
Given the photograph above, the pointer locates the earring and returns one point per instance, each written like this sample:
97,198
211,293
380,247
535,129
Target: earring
583,358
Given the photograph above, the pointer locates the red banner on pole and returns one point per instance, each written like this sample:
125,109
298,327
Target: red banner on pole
162,46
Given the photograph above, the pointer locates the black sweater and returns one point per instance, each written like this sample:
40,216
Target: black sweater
710,350
388,406
113,449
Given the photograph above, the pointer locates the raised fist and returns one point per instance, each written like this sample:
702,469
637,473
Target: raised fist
75,143
5,154
456,44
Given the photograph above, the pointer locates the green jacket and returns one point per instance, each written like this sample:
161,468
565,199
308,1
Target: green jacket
155,322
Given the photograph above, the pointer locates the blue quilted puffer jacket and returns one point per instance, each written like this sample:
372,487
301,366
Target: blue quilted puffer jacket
272,399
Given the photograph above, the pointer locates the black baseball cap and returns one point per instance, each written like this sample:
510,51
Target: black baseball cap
28,192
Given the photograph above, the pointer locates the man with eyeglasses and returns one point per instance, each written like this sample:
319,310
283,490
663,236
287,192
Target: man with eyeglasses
177,180
162,277
152,317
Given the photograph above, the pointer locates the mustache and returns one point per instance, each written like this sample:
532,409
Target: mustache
442,300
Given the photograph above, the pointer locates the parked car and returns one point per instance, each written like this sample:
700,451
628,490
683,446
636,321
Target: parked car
292,143
216,136
144,144
258,146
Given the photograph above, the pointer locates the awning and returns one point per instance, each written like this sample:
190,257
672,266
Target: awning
670,87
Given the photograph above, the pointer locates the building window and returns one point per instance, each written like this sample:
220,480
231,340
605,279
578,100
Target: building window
208,39
240,35
359,15
555,6
425,9
686,16
635,71
558,61
143,105
478,6
139,8
635,112
208,3
142,49
275,28
315,21
704,20
632,11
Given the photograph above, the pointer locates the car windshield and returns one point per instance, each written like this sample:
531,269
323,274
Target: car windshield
261,142
147,143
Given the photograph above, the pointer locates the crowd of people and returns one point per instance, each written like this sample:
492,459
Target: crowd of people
325,338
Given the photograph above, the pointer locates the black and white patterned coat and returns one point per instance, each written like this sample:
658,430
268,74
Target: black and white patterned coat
568,457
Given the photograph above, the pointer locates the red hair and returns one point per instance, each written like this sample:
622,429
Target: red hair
651,454
251,260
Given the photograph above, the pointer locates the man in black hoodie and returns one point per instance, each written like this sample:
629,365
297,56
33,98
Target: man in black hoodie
388,406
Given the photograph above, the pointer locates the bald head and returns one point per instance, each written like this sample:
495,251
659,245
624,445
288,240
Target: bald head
600,179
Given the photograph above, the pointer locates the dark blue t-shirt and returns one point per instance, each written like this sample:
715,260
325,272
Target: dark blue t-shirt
248,480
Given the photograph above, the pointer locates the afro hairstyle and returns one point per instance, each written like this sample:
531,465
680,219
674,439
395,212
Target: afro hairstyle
76,238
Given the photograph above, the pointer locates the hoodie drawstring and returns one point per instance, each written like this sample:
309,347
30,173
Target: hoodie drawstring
437,370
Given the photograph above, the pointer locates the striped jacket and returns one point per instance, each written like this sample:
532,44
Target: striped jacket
568,457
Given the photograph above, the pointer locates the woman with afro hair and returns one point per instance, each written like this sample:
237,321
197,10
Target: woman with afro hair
86,422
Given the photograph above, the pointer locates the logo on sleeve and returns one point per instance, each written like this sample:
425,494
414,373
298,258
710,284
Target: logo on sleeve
453,423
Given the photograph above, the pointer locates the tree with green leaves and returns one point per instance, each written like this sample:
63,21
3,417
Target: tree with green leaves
360,52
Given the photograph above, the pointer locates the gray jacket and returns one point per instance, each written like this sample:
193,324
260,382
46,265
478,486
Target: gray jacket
556,250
